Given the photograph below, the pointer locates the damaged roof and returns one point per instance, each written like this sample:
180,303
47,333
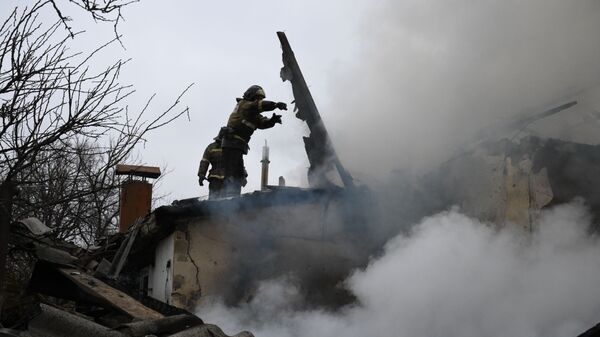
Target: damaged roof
275,196
164,220
79,301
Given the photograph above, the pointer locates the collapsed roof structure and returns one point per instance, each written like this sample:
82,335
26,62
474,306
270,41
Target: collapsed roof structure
321,154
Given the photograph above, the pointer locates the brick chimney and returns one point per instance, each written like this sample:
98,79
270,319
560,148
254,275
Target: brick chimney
136,193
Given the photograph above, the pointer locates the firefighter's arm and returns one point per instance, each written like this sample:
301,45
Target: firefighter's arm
203,167
262,105
266,123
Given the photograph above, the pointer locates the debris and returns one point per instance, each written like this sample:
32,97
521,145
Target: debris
593,332
124,249
51,322
209,330
78,304
117,299
320,151
161,326
35,226
54,255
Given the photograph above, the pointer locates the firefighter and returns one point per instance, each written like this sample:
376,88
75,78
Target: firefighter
213,156
245,118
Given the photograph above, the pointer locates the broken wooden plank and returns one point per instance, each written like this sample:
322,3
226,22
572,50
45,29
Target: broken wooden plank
111,296
123,252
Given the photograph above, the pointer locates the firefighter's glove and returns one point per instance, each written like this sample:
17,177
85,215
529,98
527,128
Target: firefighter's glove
281,106
276,118
201,181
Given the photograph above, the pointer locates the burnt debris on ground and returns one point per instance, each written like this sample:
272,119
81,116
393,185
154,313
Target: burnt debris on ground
59,289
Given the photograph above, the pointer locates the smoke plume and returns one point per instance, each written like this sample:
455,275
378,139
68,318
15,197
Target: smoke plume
451,276
430,74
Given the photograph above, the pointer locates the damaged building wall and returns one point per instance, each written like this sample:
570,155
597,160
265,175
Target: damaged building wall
224,255
508,182
474,182
202,259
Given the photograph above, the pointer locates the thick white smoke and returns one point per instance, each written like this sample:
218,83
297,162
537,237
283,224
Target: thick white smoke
452,276
430,74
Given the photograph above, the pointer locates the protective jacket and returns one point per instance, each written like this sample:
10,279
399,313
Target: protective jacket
245,118
212,155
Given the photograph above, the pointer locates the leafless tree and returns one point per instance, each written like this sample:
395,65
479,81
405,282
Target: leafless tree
64,125
100,10
76,194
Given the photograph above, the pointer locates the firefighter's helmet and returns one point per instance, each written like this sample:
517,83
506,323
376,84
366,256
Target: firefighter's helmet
254,92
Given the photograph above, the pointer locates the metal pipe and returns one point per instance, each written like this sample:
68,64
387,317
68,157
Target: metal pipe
264,178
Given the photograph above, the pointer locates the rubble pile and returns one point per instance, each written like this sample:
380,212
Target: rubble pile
60,289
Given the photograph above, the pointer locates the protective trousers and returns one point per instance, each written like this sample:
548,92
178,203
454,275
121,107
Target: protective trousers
215,188
233,164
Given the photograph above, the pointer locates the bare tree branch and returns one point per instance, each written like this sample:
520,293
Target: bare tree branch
64,125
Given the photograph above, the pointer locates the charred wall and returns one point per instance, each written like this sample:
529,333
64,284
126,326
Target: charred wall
506,182
224,250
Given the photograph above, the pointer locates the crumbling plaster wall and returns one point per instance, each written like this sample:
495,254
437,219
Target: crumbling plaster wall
476,183
215,256
202,255
499,186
